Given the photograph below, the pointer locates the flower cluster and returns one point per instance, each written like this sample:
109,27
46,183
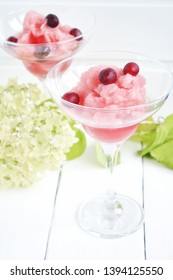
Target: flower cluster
34,134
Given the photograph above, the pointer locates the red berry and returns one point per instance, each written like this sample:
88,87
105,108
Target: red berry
41,52
108,76
72,97
76,33
12,39
52,20
131,68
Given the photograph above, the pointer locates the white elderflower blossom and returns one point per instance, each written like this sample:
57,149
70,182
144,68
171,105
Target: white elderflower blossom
34,134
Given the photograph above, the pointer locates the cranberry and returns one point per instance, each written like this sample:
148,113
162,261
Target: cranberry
108,76
12,39
41,52
76,33
72,97
131,68
52,20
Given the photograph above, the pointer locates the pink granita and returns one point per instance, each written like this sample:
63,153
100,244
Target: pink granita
127,91
36,30
108,87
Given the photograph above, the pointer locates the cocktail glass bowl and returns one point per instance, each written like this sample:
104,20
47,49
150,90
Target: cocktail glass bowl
40,57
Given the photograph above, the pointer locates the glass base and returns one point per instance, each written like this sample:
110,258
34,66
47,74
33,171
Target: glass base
110,218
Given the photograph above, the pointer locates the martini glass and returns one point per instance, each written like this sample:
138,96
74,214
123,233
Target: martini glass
110,215
39,56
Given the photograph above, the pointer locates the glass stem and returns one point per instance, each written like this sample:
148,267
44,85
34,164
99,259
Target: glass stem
44,88
112,159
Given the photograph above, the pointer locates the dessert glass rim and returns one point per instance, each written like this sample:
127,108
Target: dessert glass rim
88,30
118,108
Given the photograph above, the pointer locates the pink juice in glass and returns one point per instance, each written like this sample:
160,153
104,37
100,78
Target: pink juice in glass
110,135
106,97
41,68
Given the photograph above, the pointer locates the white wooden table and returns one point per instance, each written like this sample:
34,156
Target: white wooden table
39,222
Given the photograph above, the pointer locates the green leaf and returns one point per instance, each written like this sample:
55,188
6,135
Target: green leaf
145,132
78,148
164,154
158,140
160,136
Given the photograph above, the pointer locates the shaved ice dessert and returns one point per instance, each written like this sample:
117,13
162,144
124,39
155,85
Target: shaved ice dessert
109,95
43,42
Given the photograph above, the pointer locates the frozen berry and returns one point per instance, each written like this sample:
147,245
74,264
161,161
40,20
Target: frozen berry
52,20
41,52
12,39
131,68
72,97
108,76
76,33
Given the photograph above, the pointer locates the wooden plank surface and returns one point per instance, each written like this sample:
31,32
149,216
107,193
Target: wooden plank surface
25,218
